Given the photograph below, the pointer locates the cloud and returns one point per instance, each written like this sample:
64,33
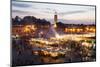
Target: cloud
21,12
19,4
72,12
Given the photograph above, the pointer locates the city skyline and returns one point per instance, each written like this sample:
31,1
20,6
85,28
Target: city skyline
68,14
51,33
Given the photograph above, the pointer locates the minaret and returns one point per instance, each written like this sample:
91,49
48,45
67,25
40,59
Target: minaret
55,19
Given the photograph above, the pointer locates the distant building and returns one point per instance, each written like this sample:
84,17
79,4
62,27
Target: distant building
55,19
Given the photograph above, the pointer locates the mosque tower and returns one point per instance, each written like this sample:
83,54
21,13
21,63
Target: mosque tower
55,19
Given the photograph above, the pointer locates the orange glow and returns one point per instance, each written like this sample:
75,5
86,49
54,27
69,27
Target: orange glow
73,29
66,30
87,28
78,30
94,30
26,29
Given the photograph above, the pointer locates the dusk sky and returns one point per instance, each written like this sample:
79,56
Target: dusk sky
66,13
